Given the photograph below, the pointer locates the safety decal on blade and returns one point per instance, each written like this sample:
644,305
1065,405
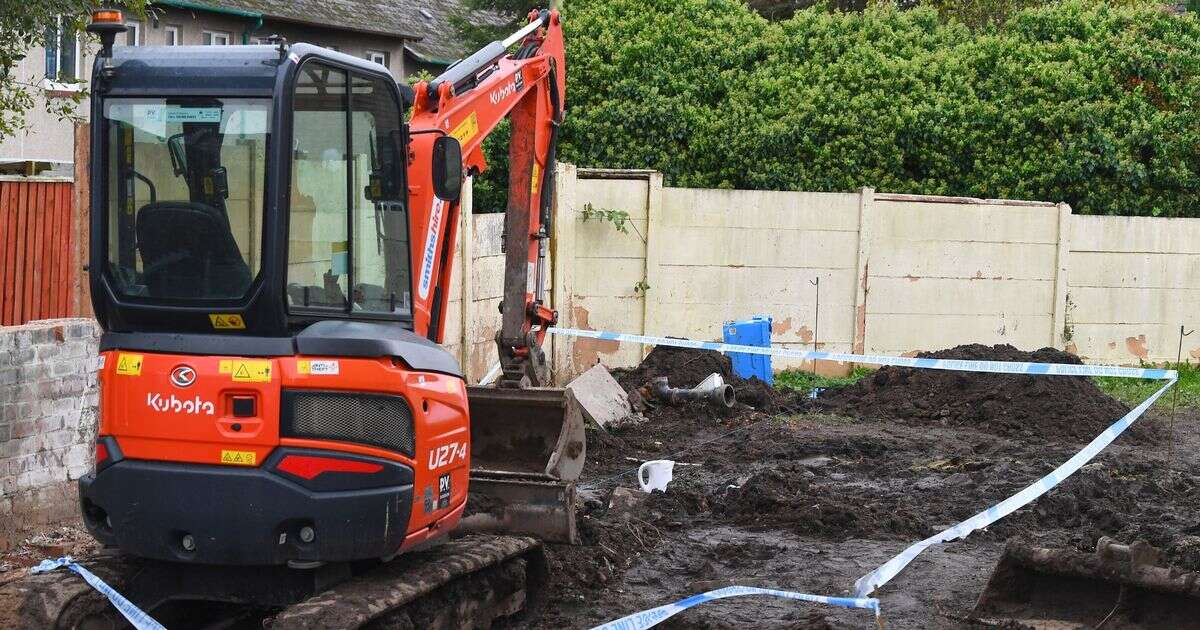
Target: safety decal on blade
246,371
129,364
317,367
240,458
227,321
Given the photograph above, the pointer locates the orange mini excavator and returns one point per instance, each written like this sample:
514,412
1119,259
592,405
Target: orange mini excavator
271,256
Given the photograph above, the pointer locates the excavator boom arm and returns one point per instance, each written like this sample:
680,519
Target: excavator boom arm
467,102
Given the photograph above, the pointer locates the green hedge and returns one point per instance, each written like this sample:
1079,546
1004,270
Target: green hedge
1078,102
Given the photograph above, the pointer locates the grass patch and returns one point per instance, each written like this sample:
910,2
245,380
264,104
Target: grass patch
802,381
1132,391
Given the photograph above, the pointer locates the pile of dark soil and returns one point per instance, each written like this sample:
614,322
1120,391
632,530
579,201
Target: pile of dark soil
684,367
1012,405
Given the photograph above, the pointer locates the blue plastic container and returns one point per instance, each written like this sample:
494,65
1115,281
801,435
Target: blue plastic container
755,331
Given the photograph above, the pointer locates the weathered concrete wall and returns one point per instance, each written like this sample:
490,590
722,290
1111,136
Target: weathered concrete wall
1131,283
898,273
48,402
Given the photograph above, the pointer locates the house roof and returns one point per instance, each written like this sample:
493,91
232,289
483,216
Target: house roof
440,43
424,24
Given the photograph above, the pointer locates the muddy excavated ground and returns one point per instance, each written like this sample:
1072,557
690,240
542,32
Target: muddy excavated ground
809,495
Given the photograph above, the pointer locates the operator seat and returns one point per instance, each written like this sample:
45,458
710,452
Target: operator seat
188,251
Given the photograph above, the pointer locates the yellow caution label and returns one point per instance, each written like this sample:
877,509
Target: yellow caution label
466,129
129,364
451,386
240,458
223,321
533,181
246,370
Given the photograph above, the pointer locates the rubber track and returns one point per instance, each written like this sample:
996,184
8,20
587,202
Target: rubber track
59,599
356,602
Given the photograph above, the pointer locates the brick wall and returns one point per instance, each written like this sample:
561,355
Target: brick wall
48,410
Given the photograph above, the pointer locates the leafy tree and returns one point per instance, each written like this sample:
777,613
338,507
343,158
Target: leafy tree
25,25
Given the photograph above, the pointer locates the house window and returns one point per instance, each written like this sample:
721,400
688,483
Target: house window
62,52
378,56
172,36
214,38
133,34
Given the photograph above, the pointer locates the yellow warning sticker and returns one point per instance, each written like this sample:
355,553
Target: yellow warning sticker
224,321
240,458
533,181
246,371
466,129
129,364
451,386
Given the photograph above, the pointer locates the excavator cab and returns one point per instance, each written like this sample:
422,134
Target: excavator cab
271,247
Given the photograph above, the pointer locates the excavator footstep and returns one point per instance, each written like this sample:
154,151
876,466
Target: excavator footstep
1117,586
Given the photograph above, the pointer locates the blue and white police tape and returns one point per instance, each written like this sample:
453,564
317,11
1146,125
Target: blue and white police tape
138,618
654,616
888,570
867,584
998,367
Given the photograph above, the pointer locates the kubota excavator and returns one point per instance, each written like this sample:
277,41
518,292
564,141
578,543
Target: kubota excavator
271,256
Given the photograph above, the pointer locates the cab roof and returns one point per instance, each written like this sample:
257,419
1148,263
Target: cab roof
212,70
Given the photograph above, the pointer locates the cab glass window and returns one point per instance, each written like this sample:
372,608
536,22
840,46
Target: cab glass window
381,253
348,233
318,270
184,186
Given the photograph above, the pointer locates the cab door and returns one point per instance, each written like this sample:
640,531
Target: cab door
348,243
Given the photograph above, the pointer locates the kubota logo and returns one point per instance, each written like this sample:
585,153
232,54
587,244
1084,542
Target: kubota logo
183,376
503,92
173,404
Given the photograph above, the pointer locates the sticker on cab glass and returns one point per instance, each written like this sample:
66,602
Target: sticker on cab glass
466,129
318,367
245,370
227,321
240,458
129,364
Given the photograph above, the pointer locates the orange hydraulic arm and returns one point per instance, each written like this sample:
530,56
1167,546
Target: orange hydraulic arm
467,102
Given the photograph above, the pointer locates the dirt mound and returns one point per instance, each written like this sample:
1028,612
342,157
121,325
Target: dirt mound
1012,405
685,367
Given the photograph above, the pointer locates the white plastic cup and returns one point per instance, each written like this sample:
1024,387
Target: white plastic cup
655,474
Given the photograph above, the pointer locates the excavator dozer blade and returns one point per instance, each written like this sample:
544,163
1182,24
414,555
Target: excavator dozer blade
1117,586
527,451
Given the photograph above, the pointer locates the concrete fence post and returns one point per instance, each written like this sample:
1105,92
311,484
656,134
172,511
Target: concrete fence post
653,313
866,208
562,267
466,258
1060,337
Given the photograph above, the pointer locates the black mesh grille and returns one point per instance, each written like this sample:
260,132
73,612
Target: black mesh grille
374,419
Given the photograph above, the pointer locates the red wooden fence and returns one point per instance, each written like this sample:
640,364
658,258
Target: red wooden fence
38,270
